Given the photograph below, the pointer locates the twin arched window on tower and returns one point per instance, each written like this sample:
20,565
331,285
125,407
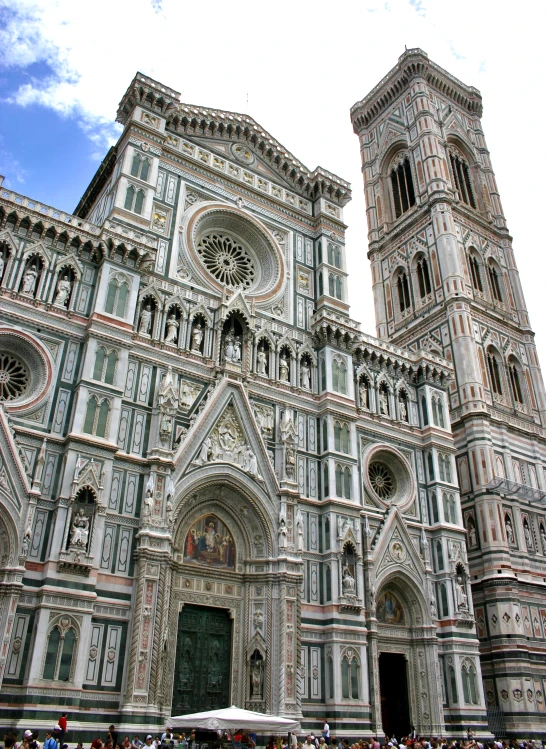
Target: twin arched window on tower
403,192
461,178
493,273
514,375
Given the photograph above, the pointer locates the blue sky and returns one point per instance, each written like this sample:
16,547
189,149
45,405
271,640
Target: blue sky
64,66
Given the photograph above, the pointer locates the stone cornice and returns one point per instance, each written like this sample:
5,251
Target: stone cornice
413,63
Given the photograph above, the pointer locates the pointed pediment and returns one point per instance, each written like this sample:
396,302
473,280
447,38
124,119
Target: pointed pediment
238,303
14,483
395,551
226,433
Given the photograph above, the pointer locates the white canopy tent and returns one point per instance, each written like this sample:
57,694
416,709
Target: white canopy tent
233,718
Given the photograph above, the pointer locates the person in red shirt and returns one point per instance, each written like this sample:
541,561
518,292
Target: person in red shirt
62,726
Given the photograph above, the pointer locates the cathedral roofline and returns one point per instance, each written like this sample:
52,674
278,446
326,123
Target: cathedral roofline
192,119
414,63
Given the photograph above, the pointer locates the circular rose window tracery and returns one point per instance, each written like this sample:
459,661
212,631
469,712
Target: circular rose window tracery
227,260
382,480
14,377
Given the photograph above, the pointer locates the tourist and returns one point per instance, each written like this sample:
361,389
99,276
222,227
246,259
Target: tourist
136,742
62,727
96,743
309,743
49,742
149,740
326,731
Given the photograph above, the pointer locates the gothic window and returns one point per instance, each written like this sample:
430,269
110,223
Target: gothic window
324,435
140,167
339,481
475,273
321,284
443,606
96,417
402,187
434,504
347,483
339,290
424,410
402,286
364,392
494,373
349,678
134,199
450,514
403,414
439,555
444,467
24,227
494,282
335,288
470,692
515,383
437,411
327,534
334,255
59,654
105,366
423,278
339,376
328,581
461,176
326,481
430,462
322,374
453,684
330,678
341,437
116,298
4,258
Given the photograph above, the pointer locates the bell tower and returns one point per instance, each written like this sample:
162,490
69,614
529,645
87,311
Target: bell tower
445,279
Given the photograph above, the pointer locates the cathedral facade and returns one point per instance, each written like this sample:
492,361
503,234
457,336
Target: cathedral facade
214,488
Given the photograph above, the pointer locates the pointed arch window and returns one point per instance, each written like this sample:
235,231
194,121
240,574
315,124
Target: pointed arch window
494,373
494,282
96,417
437,411
423,278
339,481
424,410
105,366
402,286
334,255
434,505
61,646
453,684
470,691
339,376
475,273
116,298
450,514
439,555
134,199
349,678
327,534
328,582
140,166
330,678
402,187
515,383
347,483
461,176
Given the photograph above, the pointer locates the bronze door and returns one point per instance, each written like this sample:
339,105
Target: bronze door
203,660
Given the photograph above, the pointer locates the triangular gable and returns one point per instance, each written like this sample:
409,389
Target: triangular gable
395,550
226,432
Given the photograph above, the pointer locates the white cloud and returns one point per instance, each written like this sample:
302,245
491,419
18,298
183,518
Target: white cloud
301,65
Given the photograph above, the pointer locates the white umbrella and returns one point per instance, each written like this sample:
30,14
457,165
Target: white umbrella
233,718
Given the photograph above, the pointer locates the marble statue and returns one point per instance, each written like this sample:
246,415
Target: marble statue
79,530
63,292
305,374
383,403
145,320
348,582
261,361
29,280
460,593
283,532
402,410
197,338
172,329
284,372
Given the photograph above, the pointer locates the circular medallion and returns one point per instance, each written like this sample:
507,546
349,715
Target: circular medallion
388,477
14,377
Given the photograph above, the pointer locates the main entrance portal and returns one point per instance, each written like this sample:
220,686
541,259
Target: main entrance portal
203,657
393,682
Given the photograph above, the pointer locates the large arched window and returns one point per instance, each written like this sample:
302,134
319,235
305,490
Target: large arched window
437,411
475,272
60,652
140,166
402,286
402,187
515,383
470,691
116,298
494,372
334,255
494,281
105,366
423,278
339,376
461,179
341,437
450,513
96,417
134,199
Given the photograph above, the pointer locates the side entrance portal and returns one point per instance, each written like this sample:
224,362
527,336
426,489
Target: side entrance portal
393,682
203,660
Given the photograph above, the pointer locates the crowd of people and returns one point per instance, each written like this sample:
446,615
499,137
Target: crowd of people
240,739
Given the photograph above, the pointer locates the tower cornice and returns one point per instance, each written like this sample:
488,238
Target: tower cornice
411,64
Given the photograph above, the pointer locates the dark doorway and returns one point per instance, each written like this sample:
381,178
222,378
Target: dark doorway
203,660
393,681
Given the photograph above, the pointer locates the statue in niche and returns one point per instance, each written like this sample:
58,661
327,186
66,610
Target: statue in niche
250,462
363,392
29,280
63,292
290,462
348,582
264,417
172,329
472,535
79,530
261,361
256,679
145,320
460,593
509,530
383,403
284,375
305,375
197,338
402,410
237,349
206,450
543,539
232,348
283,533
527,533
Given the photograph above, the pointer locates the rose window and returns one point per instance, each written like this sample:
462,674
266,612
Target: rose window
227,260
382,480
14,377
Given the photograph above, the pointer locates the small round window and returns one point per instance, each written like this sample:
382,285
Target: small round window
382,480
14,377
